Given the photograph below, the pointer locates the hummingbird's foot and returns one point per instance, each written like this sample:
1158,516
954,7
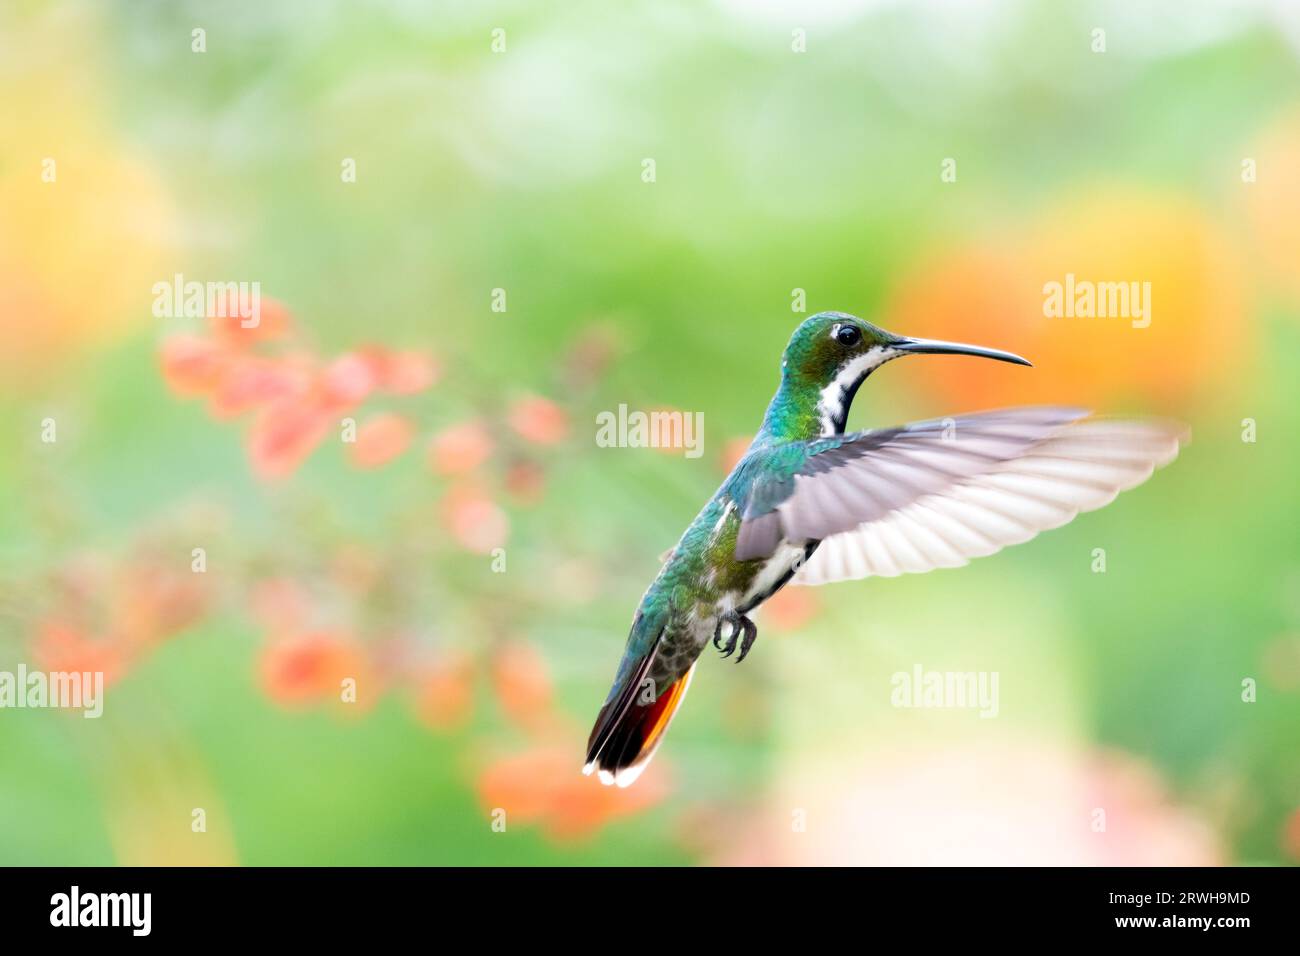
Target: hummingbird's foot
732,621
751,635
738,624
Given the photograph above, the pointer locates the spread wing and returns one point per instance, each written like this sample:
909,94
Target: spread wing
936,494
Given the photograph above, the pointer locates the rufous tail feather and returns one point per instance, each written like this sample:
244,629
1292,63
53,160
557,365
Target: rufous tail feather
631,726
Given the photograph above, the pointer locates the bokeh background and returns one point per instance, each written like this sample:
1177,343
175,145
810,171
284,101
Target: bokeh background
473,559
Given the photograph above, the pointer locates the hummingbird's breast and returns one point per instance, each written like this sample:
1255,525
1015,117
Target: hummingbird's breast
702,580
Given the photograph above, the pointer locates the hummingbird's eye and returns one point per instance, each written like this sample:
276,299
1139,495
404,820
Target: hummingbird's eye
847,335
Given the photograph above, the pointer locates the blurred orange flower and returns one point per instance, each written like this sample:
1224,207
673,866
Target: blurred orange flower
521,784
401,373
542,785
381,439
459,449
191,365
284,434
308,668
444,692
538,420
250,381
474,519
60,647
273,322
996,293
299,397
78,250
347,381
522,685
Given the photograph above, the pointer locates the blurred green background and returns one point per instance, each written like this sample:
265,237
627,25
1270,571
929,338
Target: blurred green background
473,560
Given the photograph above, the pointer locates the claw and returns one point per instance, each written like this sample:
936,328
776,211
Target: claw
751,635
732,620
738,624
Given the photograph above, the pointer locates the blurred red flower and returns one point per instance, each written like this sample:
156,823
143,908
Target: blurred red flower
538,420
459,449
250,381
284,434
381,439
347,381
308,668
474,519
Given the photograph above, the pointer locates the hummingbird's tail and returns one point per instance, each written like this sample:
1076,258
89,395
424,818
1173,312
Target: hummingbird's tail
631,725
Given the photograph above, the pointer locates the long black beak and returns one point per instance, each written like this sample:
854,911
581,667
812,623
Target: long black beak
912,346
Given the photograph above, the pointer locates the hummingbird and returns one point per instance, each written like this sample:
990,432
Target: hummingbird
811,503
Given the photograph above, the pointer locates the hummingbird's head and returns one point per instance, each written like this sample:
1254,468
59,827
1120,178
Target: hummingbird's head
832,353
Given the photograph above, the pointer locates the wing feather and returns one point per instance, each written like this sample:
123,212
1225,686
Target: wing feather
1053,477
841,483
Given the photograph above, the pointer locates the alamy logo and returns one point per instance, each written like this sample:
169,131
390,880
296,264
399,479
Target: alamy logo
637,429
176,298
68,690
946,689
1084,299
103,909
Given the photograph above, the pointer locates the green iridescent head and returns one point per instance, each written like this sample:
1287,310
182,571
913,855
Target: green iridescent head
829,356
828,345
